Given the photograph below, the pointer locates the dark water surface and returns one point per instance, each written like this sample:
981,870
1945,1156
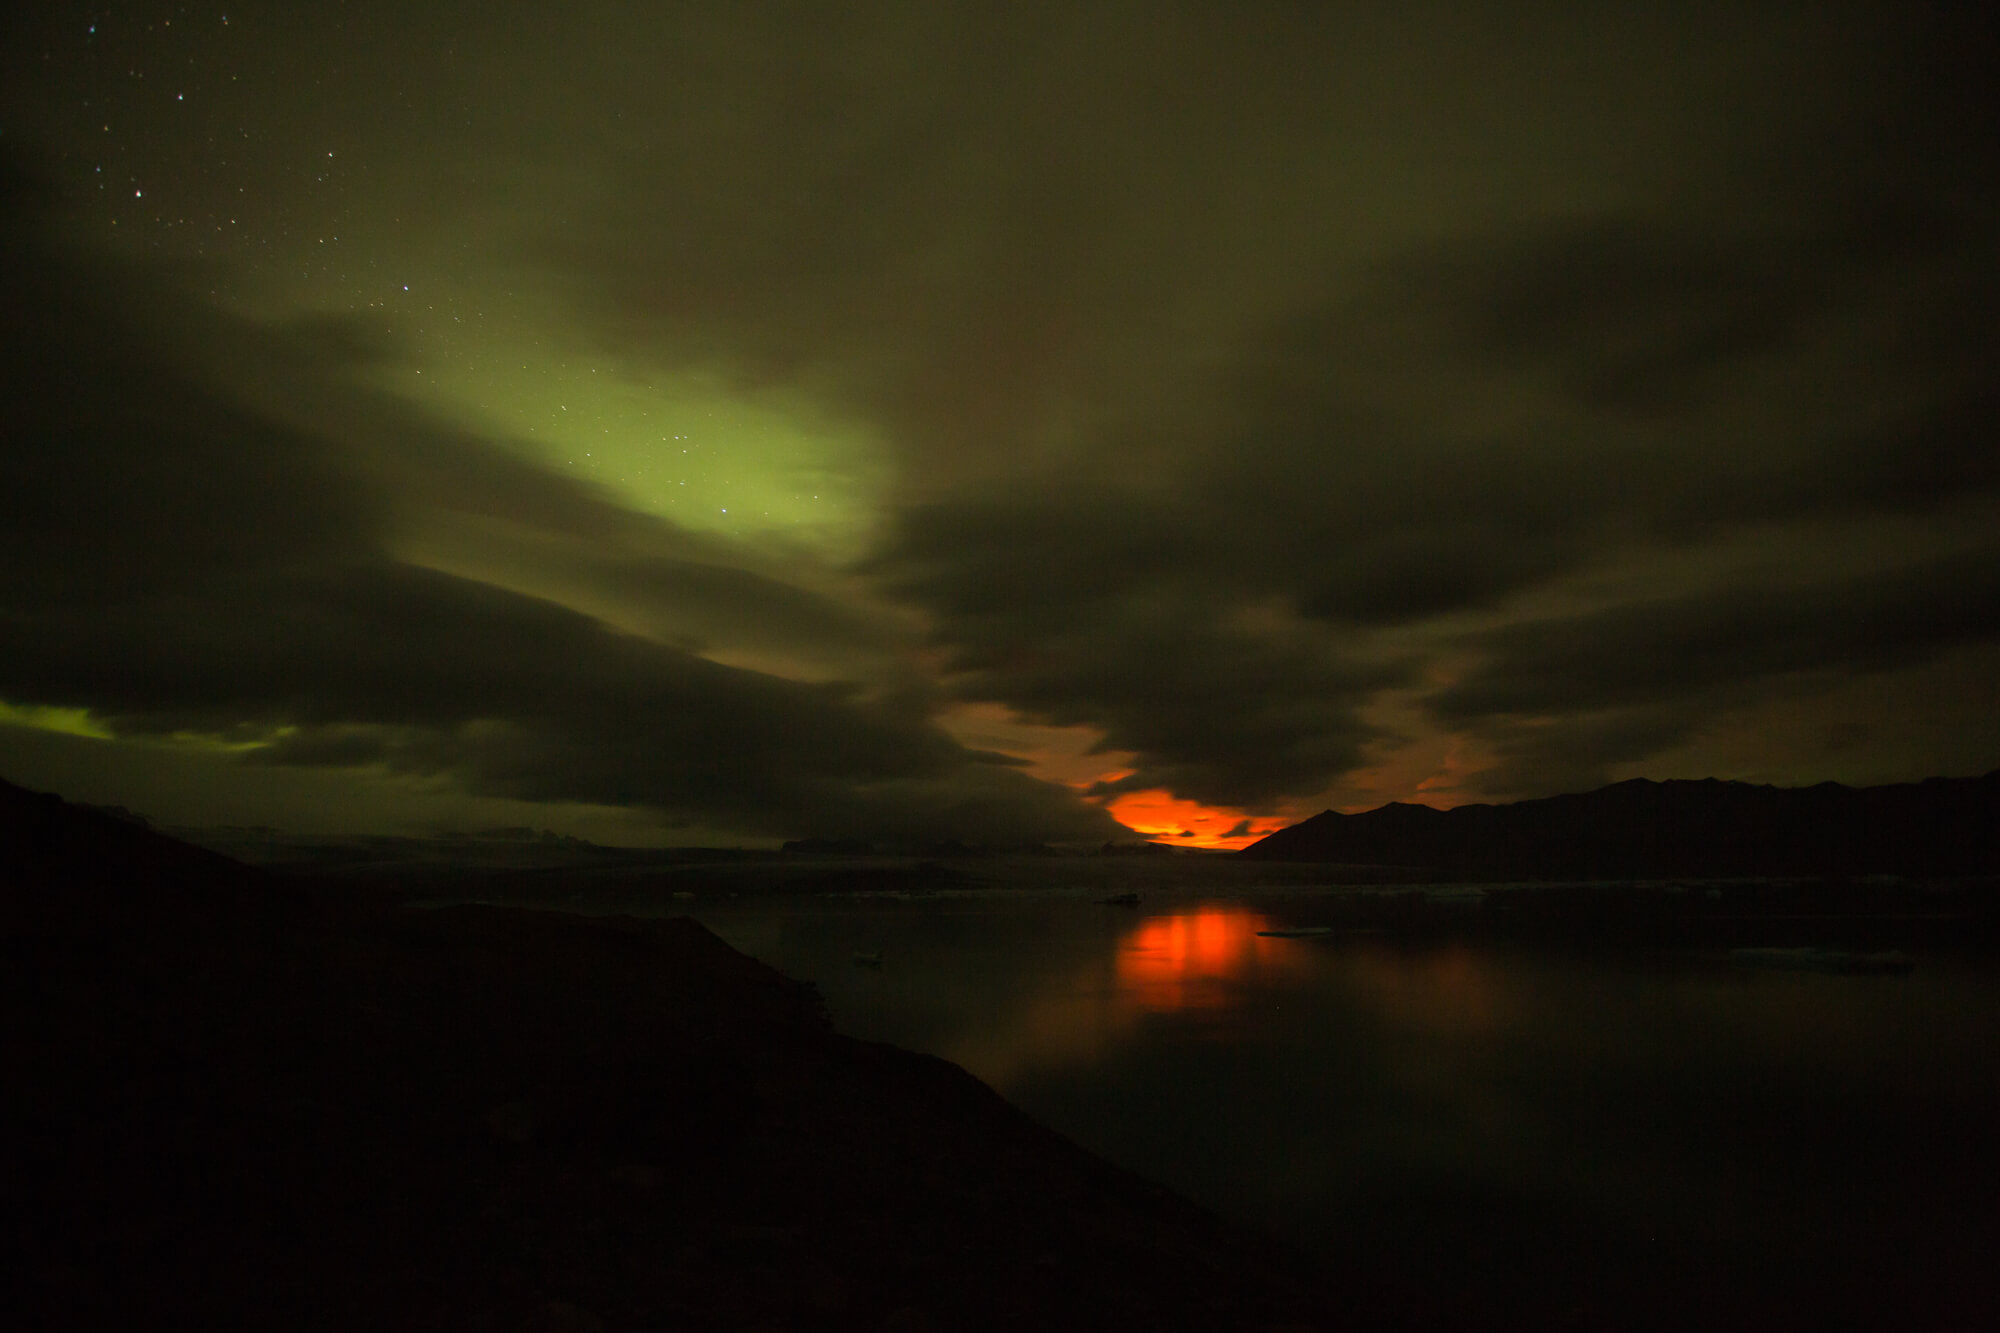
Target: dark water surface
1615,1137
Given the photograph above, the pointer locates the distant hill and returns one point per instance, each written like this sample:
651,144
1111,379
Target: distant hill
1643,829
43,836
67,867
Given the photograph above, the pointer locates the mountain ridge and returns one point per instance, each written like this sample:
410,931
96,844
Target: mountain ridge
1641,827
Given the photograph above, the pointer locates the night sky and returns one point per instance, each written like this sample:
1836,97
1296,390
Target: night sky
734,421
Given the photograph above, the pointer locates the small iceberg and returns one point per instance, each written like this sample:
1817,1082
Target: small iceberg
1121,900
1296,932
1892,962
864,959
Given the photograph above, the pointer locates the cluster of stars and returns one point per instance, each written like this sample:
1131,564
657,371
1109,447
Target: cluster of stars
189,140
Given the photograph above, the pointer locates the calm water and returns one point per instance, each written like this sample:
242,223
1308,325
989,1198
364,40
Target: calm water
1632,1137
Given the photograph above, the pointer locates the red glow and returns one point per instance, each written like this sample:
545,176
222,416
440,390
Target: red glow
1190,961
1160,815
1187,960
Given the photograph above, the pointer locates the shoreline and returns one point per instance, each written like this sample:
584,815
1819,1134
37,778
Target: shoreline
243,1105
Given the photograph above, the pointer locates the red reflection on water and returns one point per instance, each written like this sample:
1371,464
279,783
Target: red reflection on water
1188,960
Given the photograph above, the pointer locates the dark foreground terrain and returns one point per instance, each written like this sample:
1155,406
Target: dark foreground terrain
237,1101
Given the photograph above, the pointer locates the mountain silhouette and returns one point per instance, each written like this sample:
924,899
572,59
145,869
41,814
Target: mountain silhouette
1642,829
74,869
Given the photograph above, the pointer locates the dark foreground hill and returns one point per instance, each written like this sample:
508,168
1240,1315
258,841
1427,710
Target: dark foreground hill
235,1101
1641,829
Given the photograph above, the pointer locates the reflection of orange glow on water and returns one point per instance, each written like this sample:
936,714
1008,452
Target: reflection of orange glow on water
1186,961
1189,959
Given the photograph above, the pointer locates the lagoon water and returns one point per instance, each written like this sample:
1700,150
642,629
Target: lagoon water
1623,1138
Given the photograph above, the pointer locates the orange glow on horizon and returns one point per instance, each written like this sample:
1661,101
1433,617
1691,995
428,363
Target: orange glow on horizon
1162,816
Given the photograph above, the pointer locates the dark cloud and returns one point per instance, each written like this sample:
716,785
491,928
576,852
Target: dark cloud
178,560
1080,609
1268,389
1564,700
386,664
1209,457
1488,416
968,224
1642,652
1340,483
1652,315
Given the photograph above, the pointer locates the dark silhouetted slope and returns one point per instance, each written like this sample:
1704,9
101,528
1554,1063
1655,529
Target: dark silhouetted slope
44,838
69,868
231,1105
1942,826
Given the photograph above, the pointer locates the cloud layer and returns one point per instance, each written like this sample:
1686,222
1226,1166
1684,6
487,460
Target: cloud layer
1306,405
179,561
1210,458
